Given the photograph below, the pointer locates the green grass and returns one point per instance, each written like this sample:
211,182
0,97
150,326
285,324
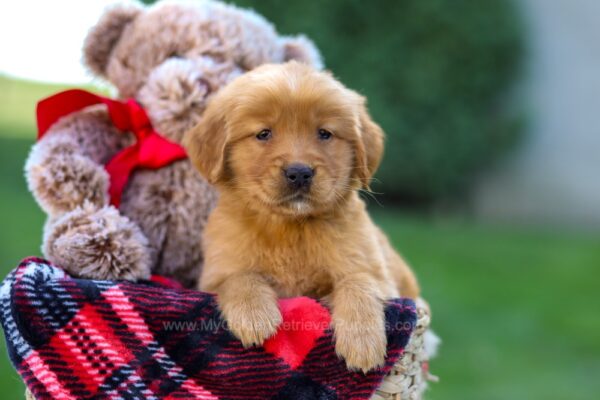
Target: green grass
516,308
17,105
20,218
17,110
20,232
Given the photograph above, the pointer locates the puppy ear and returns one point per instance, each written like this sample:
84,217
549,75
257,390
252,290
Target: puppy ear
302,49
369,149
105,35
205,143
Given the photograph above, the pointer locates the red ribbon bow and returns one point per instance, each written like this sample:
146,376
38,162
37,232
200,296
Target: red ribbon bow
151,150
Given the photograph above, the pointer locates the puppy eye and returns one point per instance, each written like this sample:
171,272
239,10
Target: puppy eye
324,134
263,135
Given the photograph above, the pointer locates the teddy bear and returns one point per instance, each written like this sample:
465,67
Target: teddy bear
171,58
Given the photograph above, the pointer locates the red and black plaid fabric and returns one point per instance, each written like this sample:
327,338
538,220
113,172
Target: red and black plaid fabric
84,339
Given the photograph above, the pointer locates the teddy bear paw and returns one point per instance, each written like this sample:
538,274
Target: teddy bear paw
62,181
97,244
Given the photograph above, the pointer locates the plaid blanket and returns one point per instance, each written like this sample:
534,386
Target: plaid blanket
83,339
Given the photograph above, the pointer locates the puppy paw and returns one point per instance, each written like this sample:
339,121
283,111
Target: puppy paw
252,321
361,344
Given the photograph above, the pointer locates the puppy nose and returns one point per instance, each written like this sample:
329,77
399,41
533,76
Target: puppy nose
299,175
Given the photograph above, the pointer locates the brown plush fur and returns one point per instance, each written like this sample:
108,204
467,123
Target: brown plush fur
172,58
86,231
264,240
65,170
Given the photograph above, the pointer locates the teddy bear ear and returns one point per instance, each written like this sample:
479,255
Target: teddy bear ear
103,37
301,48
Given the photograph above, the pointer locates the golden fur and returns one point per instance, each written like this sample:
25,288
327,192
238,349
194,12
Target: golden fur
263,241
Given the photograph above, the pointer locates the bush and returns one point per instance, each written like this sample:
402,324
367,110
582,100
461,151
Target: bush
435,72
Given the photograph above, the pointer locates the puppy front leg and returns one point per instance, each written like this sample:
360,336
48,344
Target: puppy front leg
359,322
249,306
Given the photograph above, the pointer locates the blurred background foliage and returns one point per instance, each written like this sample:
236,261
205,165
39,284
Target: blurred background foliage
436,73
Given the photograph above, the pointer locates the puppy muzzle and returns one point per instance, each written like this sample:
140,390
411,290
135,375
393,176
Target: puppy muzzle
299,176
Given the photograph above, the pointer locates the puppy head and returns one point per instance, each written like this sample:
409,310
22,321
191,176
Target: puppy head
288,139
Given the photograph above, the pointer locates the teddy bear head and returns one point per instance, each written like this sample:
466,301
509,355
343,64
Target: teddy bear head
171,57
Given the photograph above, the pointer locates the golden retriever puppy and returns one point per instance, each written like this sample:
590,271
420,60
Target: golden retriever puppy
289,147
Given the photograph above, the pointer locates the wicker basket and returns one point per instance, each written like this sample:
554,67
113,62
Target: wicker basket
408,379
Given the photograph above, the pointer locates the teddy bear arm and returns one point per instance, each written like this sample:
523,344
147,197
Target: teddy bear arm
94,133
65,168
